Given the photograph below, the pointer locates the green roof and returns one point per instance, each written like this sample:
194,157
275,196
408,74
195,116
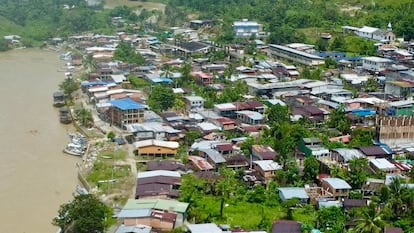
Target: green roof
159,204
176,206
140,204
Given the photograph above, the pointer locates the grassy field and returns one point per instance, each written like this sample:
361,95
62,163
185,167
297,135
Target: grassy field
110,4
247,215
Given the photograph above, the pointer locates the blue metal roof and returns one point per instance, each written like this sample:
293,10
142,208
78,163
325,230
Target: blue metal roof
90,84
161,80
126,104
363,112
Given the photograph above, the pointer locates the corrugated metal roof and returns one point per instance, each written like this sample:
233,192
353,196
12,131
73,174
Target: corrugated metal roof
337,183
134,213
293,192
126,104
170,205
133,229
204,228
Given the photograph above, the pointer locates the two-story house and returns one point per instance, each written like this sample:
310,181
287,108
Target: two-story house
266,169
337,187
194,103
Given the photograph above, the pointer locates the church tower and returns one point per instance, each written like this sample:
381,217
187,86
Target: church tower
389,27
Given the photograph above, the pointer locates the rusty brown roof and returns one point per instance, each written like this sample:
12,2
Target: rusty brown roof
373,151
286,226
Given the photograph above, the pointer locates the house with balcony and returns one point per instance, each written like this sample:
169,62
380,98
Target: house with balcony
375,64
125,111
202,78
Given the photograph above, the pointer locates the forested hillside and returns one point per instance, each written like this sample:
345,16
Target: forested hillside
282,17
36,20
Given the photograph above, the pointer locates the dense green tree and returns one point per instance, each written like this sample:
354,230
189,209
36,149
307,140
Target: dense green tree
311,168
69,86
232,92
370,220
330,63
246,146
371,85
277,114
290,205
191,188
339,120
331,220
191,136
257,194
111,135
338,44
161,98
361,137
322,44
138,83
84,117
84,214
166,71
358,172
126,53
186,73
225,187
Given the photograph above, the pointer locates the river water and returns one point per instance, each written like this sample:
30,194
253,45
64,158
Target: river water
35,176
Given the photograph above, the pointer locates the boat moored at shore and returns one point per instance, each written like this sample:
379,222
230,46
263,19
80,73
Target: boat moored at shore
64,115
77,145
58,99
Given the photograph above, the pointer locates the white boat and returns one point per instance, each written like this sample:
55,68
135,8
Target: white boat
77,145
72,151
81,190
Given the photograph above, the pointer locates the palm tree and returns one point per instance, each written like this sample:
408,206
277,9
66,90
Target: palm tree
166,71
84,117
370,220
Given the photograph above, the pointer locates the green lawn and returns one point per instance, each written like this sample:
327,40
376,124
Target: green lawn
244,214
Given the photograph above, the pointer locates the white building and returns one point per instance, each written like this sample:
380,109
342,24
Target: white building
384,36
194,103
246,28
376,64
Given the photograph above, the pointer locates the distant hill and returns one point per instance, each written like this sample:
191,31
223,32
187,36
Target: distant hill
296,14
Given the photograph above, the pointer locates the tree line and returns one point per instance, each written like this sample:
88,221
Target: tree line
282,18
